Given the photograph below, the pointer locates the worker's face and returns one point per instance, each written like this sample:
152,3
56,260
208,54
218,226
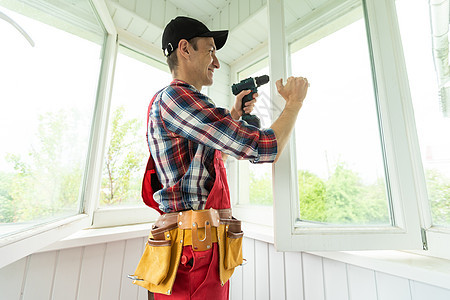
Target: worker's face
204,61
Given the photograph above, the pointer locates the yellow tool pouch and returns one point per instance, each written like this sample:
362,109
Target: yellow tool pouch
158,266
230,247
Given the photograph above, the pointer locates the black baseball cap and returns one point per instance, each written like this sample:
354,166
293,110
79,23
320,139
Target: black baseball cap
188,28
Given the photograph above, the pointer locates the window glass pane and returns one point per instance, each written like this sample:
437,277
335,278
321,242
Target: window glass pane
258,190
47,95
341,176
135,83
429,80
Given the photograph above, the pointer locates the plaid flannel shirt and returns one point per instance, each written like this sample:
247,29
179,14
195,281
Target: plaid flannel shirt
184,130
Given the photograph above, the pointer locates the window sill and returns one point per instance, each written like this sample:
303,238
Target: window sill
413,266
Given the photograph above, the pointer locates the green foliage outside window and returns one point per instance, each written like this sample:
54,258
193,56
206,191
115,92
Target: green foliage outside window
343,198
123,167
46,182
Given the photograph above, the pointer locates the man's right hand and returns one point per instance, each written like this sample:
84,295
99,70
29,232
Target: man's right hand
294,92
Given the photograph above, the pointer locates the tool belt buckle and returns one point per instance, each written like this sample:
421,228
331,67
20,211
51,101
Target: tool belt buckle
199,222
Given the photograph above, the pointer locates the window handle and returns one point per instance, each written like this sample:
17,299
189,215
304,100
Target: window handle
11,21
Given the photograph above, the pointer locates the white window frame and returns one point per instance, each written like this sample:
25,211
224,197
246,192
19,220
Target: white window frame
140,213
19,245
391,84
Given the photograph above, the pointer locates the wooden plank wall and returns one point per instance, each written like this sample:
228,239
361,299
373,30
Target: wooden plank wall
100,272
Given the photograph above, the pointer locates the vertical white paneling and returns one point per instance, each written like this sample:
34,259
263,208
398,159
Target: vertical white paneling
142,294
276,274
236,284
91,272
313,277
421,291
215,24
391,287
67,274
133,252
39,277
128,4
255,5
225,18
11,279
112,270
234,14
158,12
121,18
171,12
335,279
294,275
262,270
143,8
361,283
248,280
244,10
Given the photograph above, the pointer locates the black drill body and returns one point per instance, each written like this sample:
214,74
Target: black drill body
249,84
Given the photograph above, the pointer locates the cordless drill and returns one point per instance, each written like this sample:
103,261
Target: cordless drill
249,84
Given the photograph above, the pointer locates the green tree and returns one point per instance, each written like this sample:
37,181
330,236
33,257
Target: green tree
123,161
261,187
439,196
312,193
39,186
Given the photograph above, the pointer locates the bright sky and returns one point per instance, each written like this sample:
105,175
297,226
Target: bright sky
337,123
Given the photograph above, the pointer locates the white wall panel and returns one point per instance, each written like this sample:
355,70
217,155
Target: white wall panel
255,5
158,13
143,8
133,251
262,270
268,274
294,275
234,14
335,279
67,274
128,4
112,270
171,12
244,10
421,291
225,17
236,284
91,272
276,274
39,277
313,277
11,279
248,278
392,288
361,283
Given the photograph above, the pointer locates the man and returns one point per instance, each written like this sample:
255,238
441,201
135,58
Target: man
188,136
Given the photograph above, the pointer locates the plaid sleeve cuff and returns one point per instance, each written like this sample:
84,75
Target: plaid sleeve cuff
267,147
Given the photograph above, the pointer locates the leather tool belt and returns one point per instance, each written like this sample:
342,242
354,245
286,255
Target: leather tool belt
157,268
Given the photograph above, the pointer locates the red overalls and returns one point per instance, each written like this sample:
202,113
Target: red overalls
197,277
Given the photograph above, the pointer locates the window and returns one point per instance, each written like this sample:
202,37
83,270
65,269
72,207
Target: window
424,31
257,189
137,79
135,83
51,57
340,170
48,94
431,100
346,178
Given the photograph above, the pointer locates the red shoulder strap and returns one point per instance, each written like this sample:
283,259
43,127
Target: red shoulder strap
150,183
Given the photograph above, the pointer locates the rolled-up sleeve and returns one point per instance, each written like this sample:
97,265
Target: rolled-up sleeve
192,115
